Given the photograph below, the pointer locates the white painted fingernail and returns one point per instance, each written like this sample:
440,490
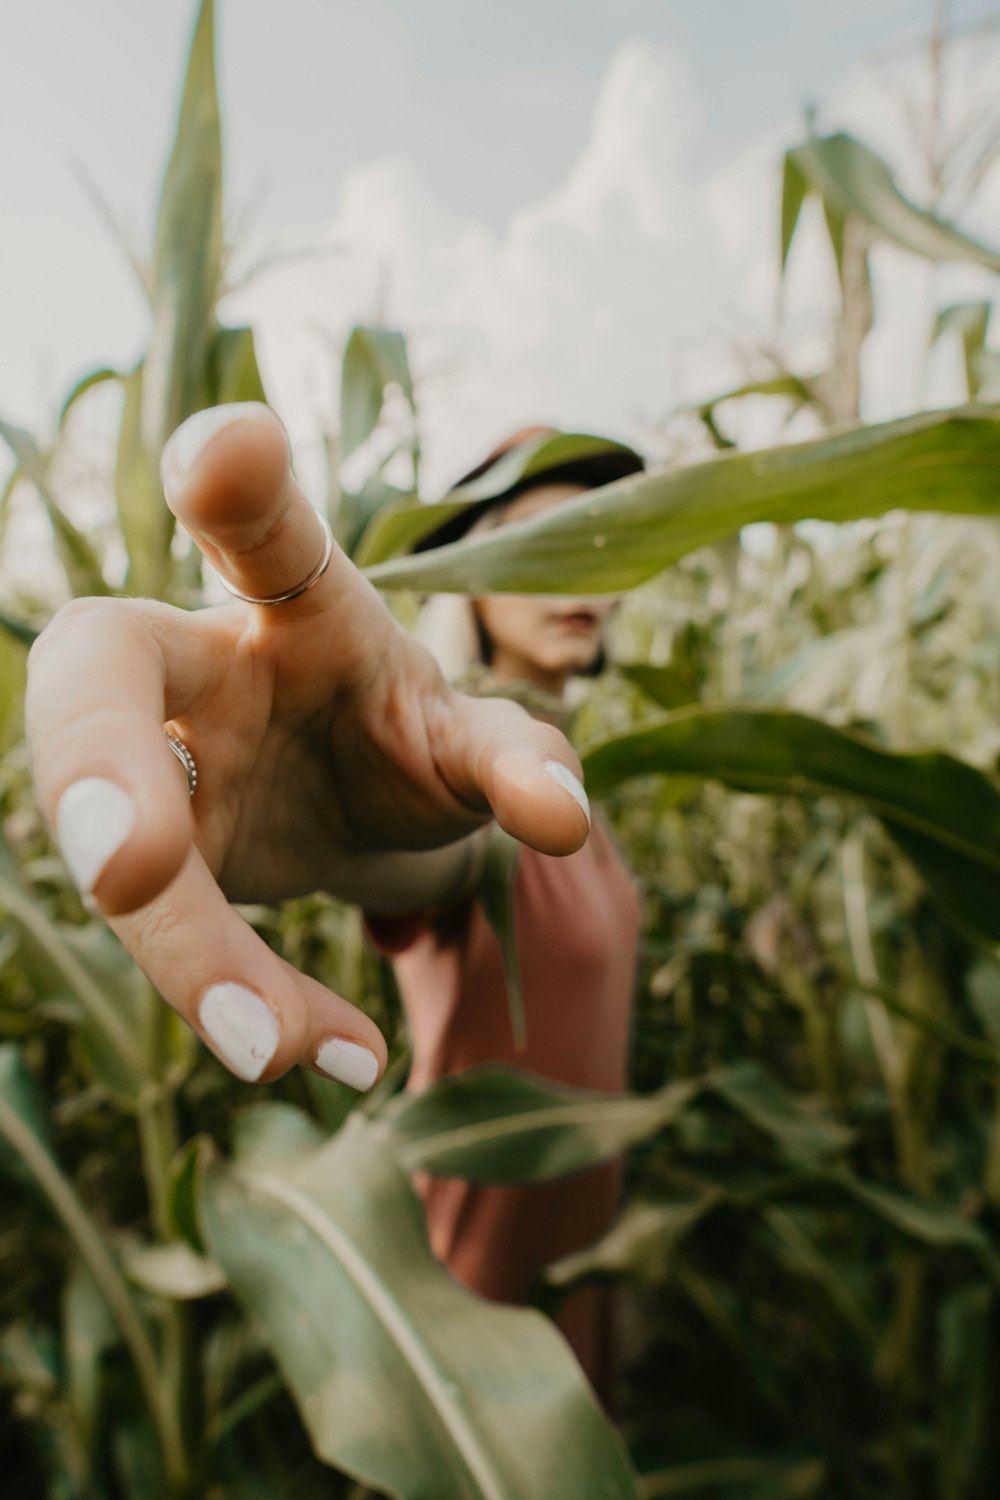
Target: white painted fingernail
93,820
348,1062
190,439
241,1026
572,784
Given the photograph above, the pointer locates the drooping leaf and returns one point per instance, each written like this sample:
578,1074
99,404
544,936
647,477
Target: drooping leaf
944,814
493,1124
794,189
852,179
670,687
398,526
496,896
497,1124
173,1271
794,388
969,320
78,558
640,1244
363,1322
83,385
374,359
619,536
26,635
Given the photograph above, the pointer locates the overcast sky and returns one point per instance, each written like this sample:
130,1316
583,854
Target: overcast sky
572,202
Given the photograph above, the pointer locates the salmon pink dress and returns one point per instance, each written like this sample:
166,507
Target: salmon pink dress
577,921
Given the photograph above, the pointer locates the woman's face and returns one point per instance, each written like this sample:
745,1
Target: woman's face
542,639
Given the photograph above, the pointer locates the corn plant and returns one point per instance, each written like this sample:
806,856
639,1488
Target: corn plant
247,1303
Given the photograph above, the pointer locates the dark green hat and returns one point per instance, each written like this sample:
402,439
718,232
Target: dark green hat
530,458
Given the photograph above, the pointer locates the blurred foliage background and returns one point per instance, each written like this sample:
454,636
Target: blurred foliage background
798,747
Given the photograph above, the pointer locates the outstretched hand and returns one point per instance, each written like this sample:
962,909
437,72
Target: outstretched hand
331,755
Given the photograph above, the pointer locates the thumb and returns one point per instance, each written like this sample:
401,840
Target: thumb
525,769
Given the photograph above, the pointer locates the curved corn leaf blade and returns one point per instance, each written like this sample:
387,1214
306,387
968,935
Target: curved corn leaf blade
969,320
399,526
356,510
374,359
794,191
18,630
173,1271
363,1322
850,178
930,1223
496,896
669,687
494,1124
640,1244
86,964
83,385
233,373
749,1478
944,814
626,532
78,558
793,388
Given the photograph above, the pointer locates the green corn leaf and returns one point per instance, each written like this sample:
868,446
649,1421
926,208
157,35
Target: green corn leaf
374,359
641,1243
173,1271
944,814
850,178
793,388
670,687
363,1322
26,635
970,321
79,561
83,385
22,1138
627,532
233,373
794,190
496,1124
86,965
397,527
147,525
496,896
187,255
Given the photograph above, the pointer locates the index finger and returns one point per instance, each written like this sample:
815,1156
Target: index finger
104,677
227,477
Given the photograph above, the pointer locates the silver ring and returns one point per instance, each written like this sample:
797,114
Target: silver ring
185,757
300,588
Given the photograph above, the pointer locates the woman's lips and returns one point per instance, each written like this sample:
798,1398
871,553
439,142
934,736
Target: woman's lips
577,619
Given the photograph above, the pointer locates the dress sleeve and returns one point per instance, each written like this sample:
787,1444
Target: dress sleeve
393,932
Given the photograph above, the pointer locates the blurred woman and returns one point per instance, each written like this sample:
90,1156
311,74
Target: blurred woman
577,920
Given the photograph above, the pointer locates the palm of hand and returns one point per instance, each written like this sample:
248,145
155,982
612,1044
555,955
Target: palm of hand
331,754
